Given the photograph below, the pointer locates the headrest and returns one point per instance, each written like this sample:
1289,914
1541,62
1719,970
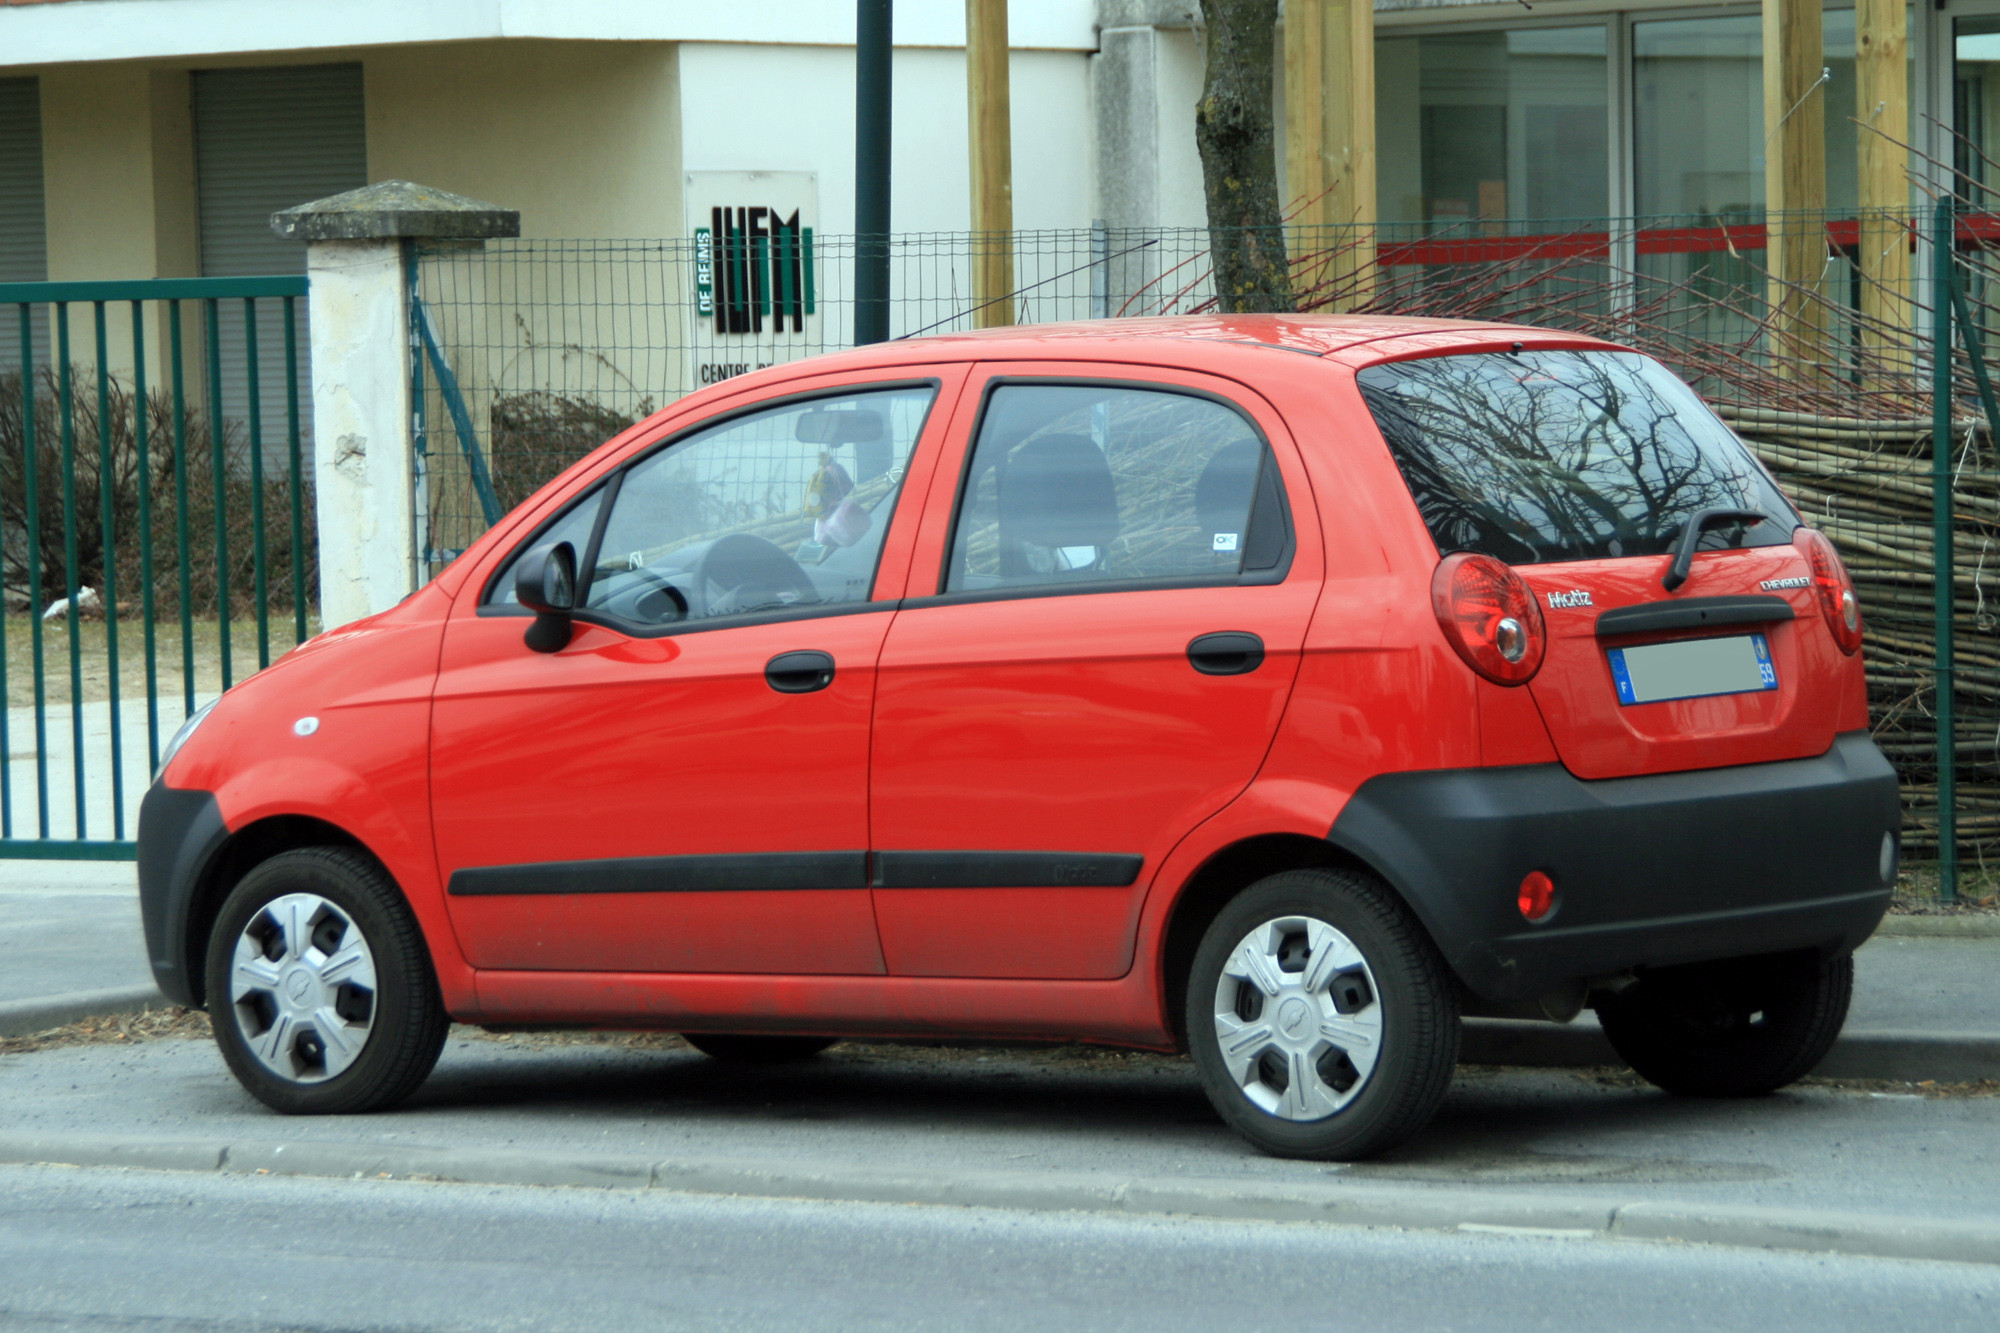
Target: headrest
1057,491
1223,492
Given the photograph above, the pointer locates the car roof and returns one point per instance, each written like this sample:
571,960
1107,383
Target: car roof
1353,339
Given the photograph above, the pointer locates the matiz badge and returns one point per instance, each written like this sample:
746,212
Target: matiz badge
1563,601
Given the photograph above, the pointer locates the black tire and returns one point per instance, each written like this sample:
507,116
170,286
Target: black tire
1741,1028
740,1048
1401,979
405,1021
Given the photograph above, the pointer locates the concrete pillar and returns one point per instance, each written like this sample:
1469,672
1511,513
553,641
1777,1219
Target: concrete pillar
1144,82
358,315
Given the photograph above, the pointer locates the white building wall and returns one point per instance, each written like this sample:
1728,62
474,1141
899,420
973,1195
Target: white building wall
791,108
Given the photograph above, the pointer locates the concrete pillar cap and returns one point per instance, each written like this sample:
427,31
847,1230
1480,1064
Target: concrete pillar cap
395,209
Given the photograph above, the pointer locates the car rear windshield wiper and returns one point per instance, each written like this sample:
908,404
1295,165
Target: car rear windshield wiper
1677,572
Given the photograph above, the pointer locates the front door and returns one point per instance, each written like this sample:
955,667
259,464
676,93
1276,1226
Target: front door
1113,639
683,787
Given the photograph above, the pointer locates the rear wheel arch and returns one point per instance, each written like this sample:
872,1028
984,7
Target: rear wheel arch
239,854
1227,873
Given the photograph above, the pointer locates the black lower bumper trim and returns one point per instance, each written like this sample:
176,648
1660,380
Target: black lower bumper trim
179,835
1650,871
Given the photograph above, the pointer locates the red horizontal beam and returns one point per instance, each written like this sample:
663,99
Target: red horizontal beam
1975,230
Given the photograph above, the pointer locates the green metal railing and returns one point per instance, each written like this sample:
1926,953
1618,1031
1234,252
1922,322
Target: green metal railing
160,499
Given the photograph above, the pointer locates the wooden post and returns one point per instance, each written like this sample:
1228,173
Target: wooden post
1330,143
992,160
1795,186
1882,105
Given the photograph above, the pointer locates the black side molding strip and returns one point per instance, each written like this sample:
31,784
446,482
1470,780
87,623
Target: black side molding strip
765,871
1692,613
749,872
1004,870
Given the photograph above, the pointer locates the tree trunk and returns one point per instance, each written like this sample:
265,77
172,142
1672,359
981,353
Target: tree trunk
1239,164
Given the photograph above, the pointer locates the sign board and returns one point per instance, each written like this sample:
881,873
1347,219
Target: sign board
755,298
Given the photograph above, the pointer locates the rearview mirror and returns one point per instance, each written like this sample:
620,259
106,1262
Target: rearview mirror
545,583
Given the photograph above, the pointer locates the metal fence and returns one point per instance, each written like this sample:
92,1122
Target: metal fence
156,532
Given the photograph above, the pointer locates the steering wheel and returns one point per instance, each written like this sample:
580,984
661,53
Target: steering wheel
743,573
661,603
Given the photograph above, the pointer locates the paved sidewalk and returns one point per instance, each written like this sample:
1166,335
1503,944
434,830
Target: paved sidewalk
69,926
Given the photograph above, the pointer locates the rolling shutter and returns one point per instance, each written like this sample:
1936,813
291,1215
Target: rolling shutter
24,254
267,139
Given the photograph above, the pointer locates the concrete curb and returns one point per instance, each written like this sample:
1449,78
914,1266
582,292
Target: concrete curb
18,1018
1911,1057
1319,1200
1984,926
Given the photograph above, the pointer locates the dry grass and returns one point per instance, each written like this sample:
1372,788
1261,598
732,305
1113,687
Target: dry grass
92,650
170,1023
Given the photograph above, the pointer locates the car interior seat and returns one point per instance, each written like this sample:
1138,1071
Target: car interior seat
1058,510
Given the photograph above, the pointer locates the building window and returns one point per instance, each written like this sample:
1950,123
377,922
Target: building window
1698,114
1492,125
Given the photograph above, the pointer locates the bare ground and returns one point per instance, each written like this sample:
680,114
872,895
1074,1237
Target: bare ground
94,657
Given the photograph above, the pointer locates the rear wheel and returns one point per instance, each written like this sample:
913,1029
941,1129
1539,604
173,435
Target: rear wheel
1739,1028
1321,1018
750,1049
320,989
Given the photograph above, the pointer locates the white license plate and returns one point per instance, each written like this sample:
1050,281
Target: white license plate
1692,669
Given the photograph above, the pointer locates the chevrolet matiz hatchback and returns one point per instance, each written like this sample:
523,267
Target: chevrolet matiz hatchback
1276,689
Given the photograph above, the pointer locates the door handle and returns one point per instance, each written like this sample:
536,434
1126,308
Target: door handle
1232,653
799,673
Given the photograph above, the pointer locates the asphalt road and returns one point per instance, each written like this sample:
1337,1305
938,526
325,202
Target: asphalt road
109,1250
1070,1113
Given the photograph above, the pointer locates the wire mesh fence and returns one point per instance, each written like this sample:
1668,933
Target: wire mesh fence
1810,333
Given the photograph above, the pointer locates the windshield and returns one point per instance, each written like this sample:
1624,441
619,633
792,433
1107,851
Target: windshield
1547,456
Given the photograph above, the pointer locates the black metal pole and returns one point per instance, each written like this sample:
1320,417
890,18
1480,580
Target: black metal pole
871,171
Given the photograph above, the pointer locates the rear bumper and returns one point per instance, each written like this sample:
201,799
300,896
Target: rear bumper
1651,871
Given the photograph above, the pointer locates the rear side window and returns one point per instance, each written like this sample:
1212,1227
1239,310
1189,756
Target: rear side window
1548,456
1089,484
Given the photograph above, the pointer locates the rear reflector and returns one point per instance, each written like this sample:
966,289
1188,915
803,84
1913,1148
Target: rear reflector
1538,896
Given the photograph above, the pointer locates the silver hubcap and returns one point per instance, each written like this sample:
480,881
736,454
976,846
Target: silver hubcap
1298,1018
302,988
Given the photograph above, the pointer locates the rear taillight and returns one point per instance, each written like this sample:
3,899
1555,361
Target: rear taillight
1490,617
1832,587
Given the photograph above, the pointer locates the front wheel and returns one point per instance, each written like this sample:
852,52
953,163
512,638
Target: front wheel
1740,1028
1322,1021
320,989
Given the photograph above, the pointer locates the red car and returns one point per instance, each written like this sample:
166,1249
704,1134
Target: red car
1272,688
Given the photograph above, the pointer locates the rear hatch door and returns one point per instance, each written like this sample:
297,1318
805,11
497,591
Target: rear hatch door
1584,470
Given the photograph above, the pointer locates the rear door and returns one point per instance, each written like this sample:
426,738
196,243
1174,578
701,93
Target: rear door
1128,566
1584,471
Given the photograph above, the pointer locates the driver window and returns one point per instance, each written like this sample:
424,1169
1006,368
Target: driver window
779,509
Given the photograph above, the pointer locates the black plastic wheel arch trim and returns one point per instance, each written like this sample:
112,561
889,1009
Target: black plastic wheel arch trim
1693,613
180,834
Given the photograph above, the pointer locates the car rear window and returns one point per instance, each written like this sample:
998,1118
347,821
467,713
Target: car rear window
1543,456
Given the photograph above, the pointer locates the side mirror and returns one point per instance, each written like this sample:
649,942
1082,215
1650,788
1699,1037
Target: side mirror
545,583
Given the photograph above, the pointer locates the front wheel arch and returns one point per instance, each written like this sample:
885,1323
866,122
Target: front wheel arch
240,853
